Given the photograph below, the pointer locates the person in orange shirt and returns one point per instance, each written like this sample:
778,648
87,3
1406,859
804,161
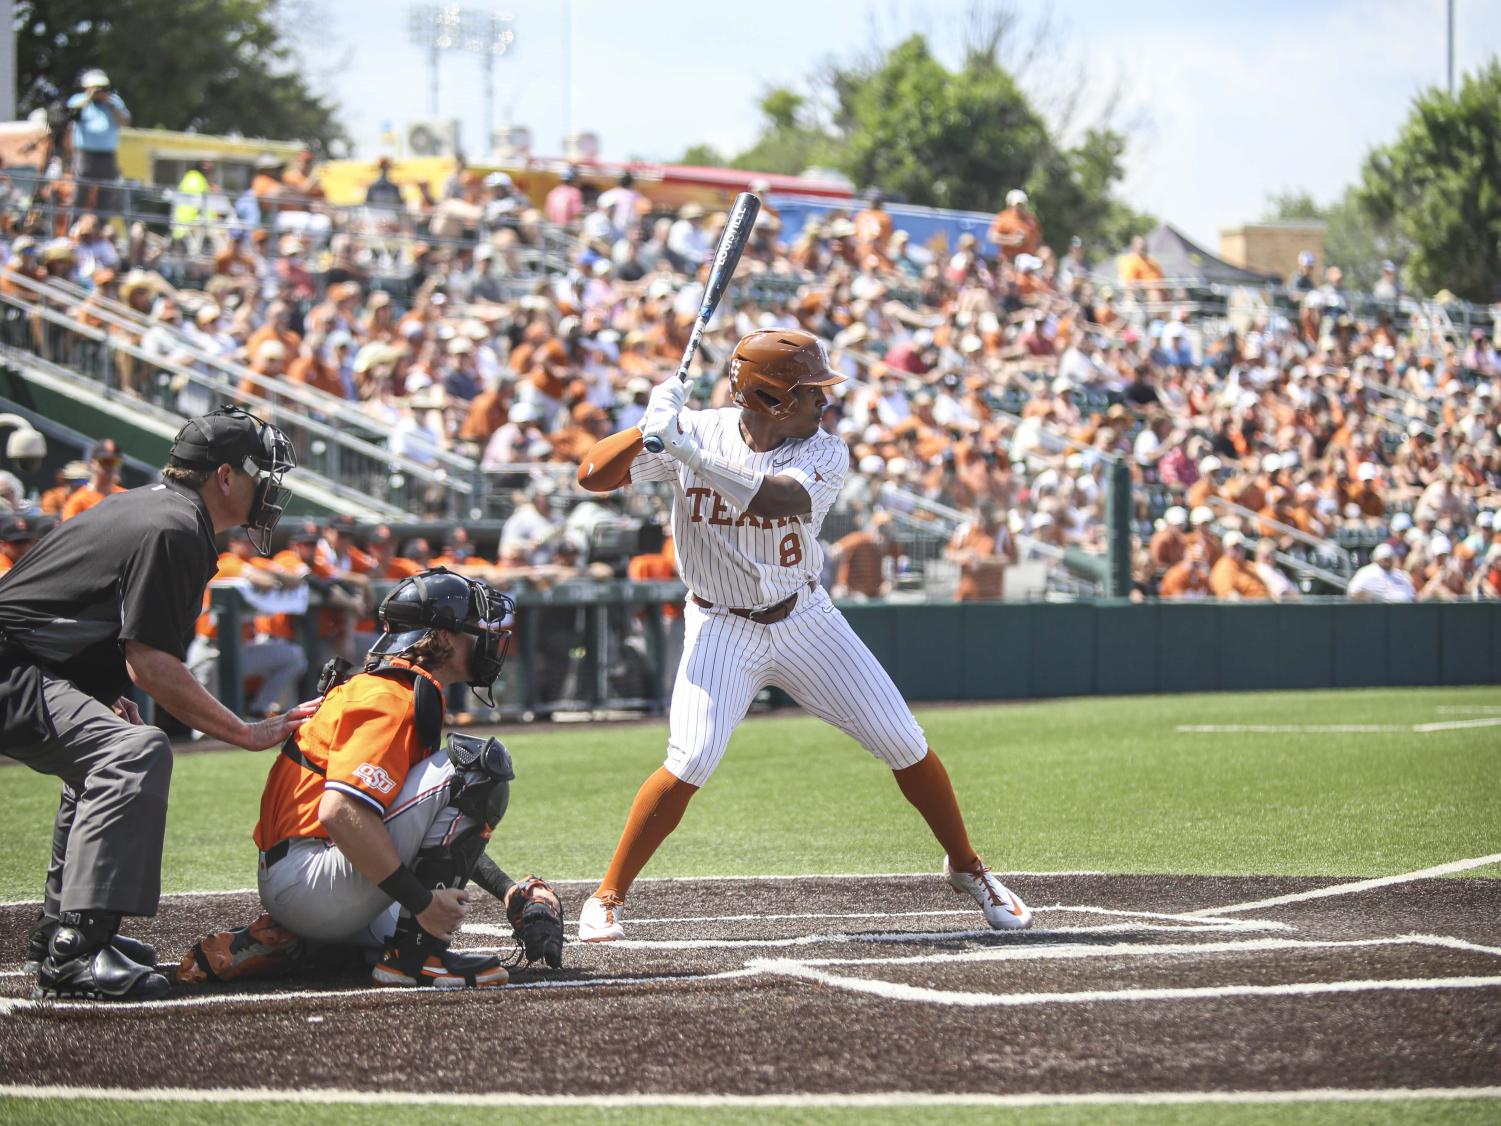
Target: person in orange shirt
1234,577
1016,230
17,534
1188,579
873,227
312,370
104,479
301,181
369,829
276,662
662,566
982,550
70,478
1138,267
860,560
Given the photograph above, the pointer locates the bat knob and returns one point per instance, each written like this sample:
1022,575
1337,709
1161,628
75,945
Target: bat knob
652,444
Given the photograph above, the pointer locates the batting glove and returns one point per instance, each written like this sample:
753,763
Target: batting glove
675,440
666,402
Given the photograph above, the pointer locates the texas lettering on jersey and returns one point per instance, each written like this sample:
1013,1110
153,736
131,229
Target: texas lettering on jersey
710,507
733,558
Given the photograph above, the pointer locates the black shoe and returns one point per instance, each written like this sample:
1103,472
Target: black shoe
46,926
414,957
78,968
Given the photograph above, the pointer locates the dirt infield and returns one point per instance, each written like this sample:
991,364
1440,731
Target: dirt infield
850,985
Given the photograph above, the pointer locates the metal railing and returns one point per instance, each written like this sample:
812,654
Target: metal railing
1255,522
335,441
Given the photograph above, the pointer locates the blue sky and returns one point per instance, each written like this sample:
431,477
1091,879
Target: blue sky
1227,102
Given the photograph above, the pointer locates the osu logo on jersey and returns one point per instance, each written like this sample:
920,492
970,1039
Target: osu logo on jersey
375,777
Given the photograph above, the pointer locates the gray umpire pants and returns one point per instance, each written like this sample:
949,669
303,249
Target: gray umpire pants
107,838
314,891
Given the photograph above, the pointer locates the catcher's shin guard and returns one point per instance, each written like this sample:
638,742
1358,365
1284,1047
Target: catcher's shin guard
480,791
414,957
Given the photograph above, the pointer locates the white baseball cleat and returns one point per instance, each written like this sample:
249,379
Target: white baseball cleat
600,919
1003,908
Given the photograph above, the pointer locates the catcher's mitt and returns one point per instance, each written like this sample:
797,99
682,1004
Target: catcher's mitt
536,918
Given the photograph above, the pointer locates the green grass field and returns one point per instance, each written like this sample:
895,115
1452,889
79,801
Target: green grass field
1100,784
1096,784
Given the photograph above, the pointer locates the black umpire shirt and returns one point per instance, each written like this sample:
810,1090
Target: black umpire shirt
132,568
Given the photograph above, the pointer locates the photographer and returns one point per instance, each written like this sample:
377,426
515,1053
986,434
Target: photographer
99,114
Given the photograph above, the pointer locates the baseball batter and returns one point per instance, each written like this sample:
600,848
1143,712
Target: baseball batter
752,484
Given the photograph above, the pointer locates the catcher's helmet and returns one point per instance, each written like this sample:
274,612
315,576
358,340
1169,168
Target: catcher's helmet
441,599
770,363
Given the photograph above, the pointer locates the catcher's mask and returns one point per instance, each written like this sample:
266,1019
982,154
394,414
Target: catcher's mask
234,436
441,599
769,365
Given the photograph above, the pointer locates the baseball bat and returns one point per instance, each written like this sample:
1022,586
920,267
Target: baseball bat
732,242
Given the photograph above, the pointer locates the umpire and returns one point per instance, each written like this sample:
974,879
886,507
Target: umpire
107,600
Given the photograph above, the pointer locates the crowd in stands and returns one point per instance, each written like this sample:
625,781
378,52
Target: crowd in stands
989,393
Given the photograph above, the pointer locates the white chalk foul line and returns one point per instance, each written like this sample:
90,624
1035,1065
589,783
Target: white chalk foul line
1333,728
1045,952
491,930
1357,886
12,1005
896,991
841,938
875,1100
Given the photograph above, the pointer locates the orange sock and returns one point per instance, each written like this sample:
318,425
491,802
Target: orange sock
654,814
926,785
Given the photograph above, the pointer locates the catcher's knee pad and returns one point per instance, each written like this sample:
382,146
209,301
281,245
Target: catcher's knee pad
482,774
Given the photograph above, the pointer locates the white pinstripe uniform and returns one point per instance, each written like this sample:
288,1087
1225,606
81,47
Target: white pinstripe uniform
752,563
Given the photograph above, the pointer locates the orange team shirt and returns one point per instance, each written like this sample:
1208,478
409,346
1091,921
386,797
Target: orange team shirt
5,564
658,567
85,499
231,566
1016,233
1140,268
1228,578
873,227
365,735
285,625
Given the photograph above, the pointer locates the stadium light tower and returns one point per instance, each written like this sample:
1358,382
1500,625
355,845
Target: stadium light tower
449,27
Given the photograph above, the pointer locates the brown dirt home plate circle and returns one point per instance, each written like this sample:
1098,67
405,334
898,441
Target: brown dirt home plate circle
830,985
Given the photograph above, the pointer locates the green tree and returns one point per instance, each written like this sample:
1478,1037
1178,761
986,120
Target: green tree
936,138
703,156
903,122
790,140
1354,240
1071,190
210,66
1438,186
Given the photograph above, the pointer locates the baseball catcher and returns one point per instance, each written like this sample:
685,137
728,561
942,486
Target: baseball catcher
371,827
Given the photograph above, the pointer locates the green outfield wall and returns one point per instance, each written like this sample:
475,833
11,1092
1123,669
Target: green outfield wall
981,651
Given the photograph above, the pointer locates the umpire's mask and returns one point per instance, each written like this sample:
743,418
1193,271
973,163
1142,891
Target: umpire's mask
234,436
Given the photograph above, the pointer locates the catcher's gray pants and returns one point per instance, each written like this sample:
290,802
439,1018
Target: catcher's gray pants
317,893
107,837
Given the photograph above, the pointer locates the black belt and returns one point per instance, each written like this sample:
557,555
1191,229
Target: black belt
276,852
767,617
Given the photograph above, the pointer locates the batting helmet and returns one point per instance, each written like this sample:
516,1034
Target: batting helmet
769,364
441,599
